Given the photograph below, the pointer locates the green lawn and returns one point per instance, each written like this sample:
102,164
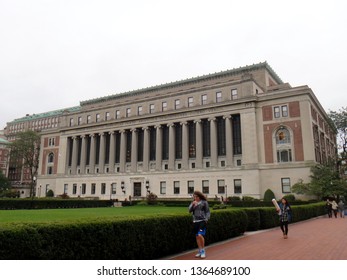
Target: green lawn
85,214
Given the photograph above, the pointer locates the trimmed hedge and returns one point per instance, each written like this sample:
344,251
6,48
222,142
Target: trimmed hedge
6,204
138,238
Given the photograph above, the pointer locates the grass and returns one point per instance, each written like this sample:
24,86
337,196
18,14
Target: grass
85,214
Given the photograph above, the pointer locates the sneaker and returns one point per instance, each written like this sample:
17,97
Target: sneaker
202,254
198,254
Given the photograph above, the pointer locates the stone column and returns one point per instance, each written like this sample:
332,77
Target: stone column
228,140
172,143
145,149
134,141
102,153
83,155
198,151
123,150
158,154
74,155
112,156
185,144
92,154
213,140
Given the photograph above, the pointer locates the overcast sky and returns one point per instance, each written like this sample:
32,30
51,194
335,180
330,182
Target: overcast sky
56,53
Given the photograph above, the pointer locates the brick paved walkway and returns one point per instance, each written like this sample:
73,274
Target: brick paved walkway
316,239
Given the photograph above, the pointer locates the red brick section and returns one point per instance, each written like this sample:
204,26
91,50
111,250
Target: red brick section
316,239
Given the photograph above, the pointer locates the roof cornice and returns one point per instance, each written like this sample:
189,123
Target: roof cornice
232,72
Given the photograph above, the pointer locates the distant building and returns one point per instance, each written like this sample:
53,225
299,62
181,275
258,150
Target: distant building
234,133
19,177
4,153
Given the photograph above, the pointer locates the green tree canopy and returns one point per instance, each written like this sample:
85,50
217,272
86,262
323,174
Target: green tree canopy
325,182
25,151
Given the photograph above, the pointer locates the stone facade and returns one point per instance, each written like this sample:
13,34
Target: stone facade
232,133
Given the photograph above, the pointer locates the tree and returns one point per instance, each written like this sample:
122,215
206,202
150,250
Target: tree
325,182
4,183
25,151
339,120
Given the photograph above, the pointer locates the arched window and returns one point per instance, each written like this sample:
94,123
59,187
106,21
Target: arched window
51,158
283,145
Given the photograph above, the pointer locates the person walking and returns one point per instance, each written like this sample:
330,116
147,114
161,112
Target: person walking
285,215
201,214
341,208
334,208
328,206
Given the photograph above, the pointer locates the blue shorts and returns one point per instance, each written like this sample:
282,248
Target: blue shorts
199,228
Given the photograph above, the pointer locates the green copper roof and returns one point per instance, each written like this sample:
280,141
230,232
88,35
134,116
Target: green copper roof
47,114
234,71
4,141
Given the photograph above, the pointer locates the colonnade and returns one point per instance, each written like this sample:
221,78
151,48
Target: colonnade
139,150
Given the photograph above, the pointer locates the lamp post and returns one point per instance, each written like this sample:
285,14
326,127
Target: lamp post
122,187
32,191
147,187
226,194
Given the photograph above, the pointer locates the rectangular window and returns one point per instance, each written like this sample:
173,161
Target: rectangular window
203,99
205,186
221,186
164,106
284,109
190,187
139,110
89,119
234,94
103,188
162,187
218,96
117,116
84,187
177,104
237,186
128,112
79,120
71,121
113,188
176,187
190,101
151,108
97,117
93,188
74,189
107,116
285,185
66,187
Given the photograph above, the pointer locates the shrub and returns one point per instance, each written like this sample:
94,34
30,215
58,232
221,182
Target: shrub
289,197
269,195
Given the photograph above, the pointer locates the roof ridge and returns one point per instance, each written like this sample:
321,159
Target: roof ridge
233,71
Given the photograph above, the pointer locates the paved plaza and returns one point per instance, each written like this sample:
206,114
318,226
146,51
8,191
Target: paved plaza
320,238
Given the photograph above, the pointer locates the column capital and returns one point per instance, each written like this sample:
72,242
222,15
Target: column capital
145,128
92,135
211,119
197,121
101,133
227,117
170,125
183,123
133,130
158,126
111,132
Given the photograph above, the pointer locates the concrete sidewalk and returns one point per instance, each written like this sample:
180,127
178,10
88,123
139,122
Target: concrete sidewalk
320,238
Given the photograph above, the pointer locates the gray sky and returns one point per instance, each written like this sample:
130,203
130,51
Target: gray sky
56,53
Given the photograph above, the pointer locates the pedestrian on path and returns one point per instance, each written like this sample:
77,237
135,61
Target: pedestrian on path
328,206
334,208
201,213
341,207
285,213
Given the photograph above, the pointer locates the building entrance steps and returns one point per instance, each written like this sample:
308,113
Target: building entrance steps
320,238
